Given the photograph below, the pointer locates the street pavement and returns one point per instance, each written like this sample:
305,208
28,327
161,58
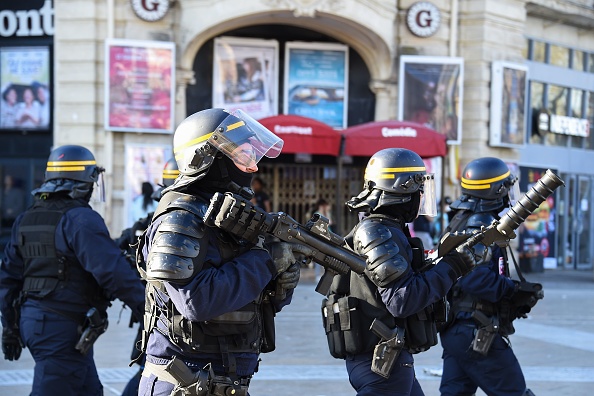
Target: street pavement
555,346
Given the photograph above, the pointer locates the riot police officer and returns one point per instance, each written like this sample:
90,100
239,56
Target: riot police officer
476,351
60,272
211,297
387,314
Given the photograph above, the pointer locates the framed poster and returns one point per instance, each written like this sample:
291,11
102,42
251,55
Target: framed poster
246,75
430,93
139,86
144,163
25,82
316,82
508,122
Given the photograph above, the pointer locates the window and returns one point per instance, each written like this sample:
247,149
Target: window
536,104
557,104
559,56
578,60
538,52
577,96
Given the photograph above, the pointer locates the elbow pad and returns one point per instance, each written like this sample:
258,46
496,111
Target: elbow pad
175,250
385,262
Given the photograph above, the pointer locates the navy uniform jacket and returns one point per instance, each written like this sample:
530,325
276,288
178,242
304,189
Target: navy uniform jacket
210,293
411,293
81,235
485,283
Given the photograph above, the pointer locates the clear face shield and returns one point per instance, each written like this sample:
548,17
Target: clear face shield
428,206
245,140
98,194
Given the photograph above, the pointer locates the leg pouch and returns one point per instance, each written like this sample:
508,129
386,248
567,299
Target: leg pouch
331,322
350,324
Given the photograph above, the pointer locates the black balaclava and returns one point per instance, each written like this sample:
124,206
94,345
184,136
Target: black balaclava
406,211
222,176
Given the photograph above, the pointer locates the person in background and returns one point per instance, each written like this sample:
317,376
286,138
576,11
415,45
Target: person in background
143,204
42,94
388,313
261,199
211,297
476,349
8,107
28,114
60,272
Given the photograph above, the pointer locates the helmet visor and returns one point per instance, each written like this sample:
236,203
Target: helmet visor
428,206
514,193
98,194
245,140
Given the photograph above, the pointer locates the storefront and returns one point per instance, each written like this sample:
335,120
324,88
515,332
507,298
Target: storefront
27,85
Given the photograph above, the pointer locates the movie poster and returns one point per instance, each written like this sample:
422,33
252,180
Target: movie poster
316,82
507,124
140,86
25,82
430,93
245,75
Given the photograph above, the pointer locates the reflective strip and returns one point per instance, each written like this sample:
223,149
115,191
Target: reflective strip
70,163
64,168
235,126
192,142
486,181
390,173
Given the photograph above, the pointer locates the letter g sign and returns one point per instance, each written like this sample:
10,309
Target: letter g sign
150,10
423,19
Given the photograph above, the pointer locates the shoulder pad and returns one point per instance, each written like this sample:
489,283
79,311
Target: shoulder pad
477,220
176,248
385,262
189,203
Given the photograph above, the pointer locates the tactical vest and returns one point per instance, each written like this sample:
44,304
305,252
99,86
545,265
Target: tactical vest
45,270
248,329
355,302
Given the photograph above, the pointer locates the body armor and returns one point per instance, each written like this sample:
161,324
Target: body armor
45,270
177,255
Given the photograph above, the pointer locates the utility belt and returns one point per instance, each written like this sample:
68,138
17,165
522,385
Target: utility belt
201,383
485,318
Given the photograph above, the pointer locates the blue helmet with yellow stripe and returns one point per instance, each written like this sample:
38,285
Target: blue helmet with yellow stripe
487,178
72,162
204,135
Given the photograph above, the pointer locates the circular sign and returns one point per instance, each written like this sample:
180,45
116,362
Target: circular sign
423,19
150,10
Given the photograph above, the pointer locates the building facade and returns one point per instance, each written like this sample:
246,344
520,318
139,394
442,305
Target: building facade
495,69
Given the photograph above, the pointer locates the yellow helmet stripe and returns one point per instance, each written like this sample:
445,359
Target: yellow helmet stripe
235,126
486,181
170,172
64,168
71,163
192,142
390,173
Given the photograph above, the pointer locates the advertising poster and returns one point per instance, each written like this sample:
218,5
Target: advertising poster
430,93
246,75
25,81
140,86
537,233
508,105
144,163
316,82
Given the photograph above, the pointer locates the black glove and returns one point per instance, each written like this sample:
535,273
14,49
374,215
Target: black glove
284,254
290,278
12,345
461,260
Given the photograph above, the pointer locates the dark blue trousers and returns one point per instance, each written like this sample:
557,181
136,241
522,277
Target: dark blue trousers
402,381
59,368
498,373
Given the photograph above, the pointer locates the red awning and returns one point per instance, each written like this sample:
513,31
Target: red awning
366,139
304,135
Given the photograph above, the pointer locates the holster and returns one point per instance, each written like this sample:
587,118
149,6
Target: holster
94,325
386,352
485,334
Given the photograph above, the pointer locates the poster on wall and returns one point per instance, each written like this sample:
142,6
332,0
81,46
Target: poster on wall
316,82
245,75
140,86
144,164
537,233
25,81
508,124
430,93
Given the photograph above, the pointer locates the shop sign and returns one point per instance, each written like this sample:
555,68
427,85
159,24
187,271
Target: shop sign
423,19
150,10
28,22
563,125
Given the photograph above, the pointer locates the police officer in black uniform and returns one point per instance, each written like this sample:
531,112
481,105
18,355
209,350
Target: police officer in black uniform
384,316
476,351
211,297
128,243
60,272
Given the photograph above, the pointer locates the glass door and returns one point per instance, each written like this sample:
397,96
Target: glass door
583,223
